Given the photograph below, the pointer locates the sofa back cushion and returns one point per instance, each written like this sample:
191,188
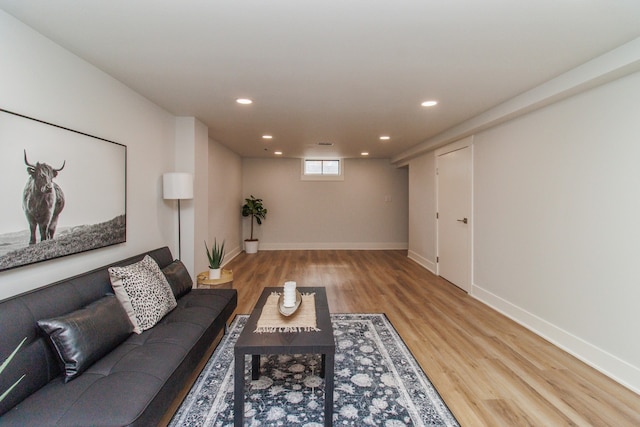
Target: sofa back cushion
18,319
179,278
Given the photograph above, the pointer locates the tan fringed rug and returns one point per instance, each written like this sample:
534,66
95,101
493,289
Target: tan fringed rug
303,320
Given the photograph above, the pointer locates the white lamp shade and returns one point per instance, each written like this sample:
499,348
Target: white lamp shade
177,185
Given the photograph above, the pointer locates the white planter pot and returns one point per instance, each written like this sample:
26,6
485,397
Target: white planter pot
214,273
251,246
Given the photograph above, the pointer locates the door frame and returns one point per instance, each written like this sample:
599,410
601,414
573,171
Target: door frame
455,146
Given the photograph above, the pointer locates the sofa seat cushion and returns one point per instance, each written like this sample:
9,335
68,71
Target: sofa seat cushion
197,306
119,387
90,400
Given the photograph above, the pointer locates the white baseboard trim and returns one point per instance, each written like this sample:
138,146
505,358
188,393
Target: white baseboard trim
231,255
334,245
424,262
610,365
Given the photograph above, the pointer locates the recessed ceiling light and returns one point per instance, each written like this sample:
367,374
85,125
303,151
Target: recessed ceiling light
385,138
267,137
429,103
364,153
278,153
244,101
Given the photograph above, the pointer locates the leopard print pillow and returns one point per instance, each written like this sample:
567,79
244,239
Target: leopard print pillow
143,291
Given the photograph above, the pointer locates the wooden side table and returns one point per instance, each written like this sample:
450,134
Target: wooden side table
224,282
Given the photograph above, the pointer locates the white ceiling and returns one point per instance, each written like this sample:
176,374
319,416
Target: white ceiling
340,71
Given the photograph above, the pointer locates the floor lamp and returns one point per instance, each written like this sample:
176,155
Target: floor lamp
177,186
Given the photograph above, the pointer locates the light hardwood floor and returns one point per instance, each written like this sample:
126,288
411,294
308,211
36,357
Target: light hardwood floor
489,370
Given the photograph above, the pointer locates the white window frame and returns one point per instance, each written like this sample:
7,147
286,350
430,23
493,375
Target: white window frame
320,177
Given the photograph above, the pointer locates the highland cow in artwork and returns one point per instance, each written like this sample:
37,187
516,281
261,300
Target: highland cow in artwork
91,213
43,199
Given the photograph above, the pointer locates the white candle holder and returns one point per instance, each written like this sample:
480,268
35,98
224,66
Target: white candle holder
289,299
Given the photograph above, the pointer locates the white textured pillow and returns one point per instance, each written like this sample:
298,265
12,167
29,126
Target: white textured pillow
143,291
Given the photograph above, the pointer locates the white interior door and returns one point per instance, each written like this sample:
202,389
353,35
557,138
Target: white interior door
454,165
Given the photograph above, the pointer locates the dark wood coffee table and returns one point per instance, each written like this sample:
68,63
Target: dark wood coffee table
321,342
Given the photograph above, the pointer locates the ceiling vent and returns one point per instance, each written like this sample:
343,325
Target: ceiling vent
325,144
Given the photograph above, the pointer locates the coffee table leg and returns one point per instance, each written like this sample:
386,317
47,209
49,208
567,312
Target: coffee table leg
238,390
255,366
322,364
328,361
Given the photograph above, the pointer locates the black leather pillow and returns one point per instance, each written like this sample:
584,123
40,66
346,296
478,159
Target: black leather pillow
178,278
82,337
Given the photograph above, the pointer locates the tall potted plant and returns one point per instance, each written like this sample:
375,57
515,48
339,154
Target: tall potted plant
215,256
253,207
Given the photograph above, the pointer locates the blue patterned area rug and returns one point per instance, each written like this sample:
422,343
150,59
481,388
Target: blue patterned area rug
377,383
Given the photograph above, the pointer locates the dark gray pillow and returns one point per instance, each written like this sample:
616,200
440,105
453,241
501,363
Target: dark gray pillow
82,337
178,278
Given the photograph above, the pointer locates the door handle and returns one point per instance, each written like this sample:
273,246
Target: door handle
465,220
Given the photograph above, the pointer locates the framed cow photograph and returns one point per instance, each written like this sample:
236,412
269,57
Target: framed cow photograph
63,191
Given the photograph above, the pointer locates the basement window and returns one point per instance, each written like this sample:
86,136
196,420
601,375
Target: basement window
322,170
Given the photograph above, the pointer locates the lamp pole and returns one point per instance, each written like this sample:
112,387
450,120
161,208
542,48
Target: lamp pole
179,236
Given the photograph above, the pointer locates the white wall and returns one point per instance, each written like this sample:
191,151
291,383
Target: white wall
422,210
186,143
225,200
329,214
44,81
556,195
191,156
200,197
557,236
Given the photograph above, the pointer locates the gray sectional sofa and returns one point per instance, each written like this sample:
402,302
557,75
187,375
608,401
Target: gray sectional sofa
133,383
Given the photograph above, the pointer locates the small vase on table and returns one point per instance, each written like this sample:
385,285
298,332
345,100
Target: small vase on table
214,273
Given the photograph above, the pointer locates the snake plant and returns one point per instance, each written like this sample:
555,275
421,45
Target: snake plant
215,255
